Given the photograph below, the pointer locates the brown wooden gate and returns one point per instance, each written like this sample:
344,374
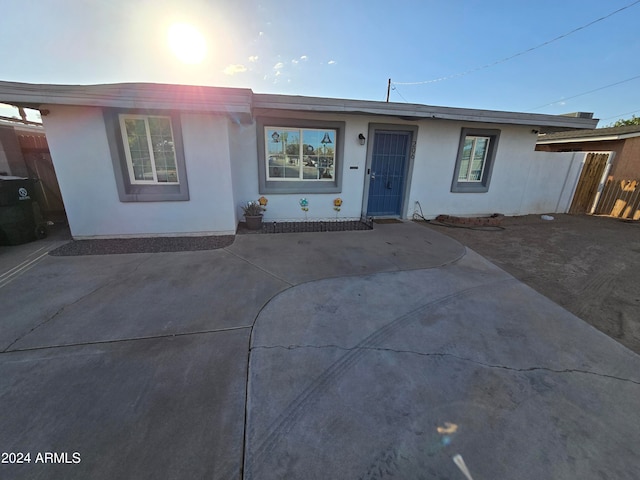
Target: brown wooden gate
590,178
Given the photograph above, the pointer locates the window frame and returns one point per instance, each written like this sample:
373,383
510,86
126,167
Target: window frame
123,117
144,191
481,185
300,156
269,185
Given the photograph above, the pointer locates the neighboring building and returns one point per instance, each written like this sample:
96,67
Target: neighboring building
152,159
11,157
24,152
612,185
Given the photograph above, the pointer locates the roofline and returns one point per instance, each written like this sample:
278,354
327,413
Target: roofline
416,111
602,138
240,102
130,95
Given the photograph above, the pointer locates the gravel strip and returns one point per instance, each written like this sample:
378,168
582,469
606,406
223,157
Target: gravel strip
314,226
142,245
180,244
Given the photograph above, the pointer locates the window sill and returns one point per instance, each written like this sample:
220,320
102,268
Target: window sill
299,187
464,187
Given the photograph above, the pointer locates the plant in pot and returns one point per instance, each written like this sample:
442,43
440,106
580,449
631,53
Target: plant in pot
253,213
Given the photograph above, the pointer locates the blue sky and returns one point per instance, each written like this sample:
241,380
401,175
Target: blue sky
344,49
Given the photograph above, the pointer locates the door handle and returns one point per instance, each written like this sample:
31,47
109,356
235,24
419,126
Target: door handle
373,175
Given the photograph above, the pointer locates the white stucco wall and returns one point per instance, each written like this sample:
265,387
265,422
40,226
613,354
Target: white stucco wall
221,159
80,152
523,181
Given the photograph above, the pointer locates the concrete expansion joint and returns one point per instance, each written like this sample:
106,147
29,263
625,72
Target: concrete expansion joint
255,265
444,354
124,340
75,302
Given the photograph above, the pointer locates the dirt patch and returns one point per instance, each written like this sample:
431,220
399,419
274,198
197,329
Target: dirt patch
589,265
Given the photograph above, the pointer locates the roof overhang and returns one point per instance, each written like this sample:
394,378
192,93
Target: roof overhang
602,138
239,103
235,102
409,111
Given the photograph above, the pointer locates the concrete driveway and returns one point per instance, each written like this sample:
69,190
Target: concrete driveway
329,355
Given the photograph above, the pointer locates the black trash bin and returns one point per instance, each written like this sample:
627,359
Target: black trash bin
17,220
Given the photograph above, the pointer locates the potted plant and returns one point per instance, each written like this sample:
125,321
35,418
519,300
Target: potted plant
253,213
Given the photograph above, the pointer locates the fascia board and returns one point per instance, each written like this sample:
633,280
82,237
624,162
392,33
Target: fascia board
413,111
136,96
576,140
603,138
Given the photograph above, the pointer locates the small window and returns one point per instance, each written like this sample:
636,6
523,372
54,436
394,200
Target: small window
149,149
147,154
299,156
475,160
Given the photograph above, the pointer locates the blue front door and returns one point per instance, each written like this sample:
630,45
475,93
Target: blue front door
389,161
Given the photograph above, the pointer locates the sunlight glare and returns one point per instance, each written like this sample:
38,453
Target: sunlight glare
187,43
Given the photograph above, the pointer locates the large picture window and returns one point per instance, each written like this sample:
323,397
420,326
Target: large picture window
475,160
149,149
299,156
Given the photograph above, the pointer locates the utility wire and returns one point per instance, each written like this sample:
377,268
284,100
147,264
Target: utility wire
619,116
586,93
497,62
393,87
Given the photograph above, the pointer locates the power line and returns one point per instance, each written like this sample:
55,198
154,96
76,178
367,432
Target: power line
586,93
497,62
393,87
620,115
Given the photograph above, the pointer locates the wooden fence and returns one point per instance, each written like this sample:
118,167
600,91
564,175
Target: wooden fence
620,198
590,177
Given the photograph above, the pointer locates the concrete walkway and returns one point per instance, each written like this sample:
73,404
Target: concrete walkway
329,355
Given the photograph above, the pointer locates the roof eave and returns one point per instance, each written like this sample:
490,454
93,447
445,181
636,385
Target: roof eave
417,112
603,138
239,103
234,102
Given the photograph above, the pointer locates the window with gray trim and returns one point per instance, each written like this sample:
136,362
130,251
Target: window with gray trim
149,148
474,162
306,154
147,155
299,156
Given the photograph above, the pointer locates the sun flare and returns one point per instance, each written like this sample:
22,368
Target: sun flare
187,43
